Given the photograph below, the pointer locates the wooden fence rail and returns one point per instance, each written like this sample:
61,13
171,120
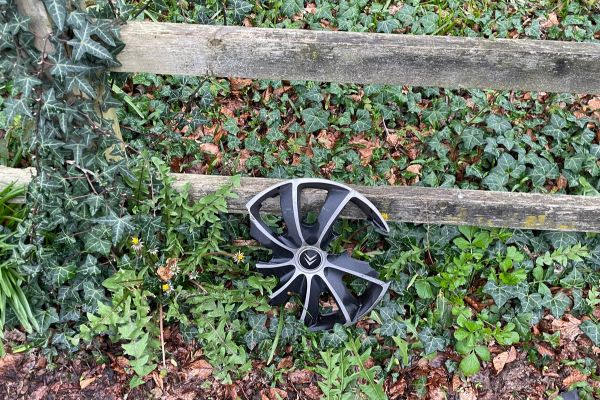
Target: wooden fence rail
417,204
349,57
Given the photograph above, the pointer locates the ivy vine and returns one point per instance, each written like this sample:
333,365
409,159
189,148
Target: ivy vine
78,219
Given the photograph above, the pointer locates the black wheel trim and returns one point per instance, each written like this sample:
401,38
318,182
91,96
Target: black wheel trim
301,239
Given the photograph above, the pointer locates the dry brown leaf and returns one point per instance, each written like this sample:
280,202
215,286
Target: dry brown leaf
302,376
238,84
415,168
312,392
568,327
244,156
576,376
551,21
468,394
561,182
365,148
544,351
273,394
285,363
594,104
437,393
199,369
504,358
456,383
210,148
394,8
87,382
311,8
326,139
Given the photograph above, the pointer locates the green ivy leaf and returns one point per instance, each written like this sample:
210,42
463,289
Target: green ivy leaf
255,336
96,241
558,304
501,294
120,226
430,341
14,107
26,83
315,119
239,8
388,25
335,338
472,137
574,279
58,12
531,302
86,45
363,121
498,124
591,330
57,274
290,8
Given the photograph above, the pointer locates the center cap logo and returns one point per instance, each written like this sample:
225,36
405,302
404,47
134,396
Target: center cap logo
310,259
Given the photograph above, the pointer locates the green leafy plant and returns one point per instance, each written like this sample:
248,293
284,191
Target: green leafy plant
12,297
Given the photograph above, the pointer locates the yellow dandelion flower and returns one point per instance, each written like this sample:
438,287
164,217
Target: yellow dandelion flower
238,257
136,243
385,216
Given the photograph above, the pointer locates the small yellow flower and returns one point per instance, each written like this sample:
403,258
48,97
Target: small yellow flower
238,257
167,288
136,244
385,216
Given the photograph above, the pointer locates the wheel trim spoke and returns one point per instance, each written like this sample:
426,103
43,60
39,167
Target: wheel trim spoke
268,236
334,203
310,308
346,302
290,285
290,210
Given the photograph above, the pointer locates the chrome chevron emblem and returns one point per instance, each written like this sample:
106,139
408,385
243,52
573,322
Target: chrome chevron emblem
310,260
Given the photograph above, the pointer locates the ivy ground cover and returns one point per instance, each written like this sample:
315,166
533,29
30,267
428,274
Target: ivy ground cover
138,291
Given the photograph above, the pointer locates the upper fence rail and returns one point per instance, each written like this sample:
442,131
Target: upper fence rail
365,58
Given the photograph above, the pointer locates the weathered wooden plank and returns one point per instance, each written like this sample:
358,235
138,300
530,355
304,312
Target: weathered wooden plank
349,57
416,204
441,206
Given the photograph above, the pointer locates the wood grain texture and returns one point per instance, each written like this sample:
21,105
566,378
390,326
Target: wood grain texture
414,204
439,206
348,57
39,23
